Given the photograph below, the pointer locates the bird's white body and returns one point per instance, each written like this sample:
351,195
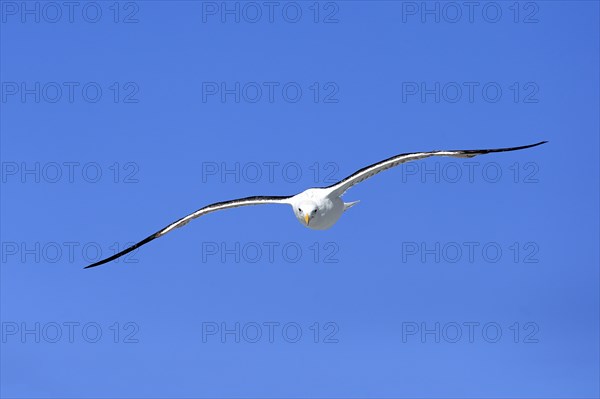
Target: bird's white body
317,209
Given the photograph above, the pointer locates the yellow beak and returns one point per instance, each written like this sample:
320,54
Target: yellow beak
306,219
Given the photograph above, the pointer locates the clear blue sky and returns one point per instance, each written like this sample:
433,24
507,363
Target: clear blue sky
451,278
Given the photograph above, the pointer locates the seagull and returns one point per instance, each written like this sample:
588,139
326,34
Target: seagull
316,208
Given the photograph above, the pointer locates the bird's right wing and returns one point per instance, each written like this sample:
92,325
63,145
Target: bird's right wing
340,187
200,212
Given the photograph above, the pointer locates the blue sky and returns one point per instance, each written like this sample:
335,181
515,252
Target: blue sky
451,278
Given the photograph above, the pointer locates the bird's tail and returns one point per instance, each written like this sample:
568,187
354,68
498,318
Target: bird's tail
348,205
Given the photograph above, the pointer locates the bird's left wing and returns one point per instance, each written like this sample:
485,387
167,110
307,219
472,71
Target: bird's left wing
200,212
340,187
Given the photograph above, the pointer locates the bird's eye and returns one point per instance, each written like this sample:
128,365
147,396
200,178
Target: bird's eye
299,210
315,211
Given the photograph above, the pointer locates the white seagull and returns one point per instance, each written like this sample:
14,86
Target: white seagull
316,208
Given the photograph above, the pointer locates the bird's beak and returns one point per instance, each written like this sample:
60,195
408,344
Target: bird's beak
307,219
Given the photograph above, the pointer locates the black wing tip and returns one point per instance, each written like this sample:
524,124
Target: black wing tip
506,149
97,263
536,144
528,146
103,261
125,251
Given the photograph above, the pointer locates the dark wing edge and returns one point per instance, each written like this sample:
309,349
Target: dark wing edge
126,251
256,200
399,157
487,151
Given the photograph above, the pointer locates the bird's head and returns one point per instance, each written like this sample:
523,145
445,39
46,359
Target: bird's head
306,211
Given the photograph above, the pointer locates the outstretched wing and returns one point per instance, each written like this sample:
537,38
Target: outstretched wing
340,187
200,212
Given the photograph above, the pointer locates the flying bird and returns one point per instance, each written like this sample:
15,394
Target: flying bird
316,208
